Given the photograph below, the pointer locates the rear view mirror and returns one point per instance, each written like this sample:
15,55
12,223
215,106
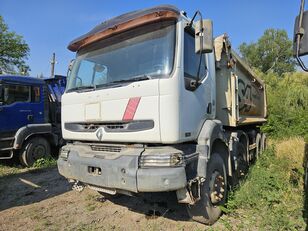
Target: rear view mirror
99,68
204,36
301,35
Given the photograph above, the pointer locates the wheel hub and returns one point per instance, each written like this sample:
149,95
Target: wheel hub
217,187
38,152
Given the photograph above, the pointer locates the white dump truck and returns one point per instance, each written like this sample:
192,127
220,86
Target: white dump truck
153,104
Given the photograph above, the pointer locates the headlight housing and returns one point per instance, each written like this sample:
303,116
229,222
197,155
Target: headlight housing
161,160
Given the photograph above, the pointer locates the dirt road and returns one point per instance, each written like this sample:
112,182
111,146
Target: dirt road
43,200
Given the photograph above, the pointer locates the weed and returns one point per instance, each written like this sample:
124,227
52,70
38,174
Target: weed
90,207
273,188
45,163
9,170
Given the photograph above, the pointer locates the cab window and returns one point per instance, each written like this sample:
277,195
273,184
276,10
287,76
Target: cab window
16,93
191,59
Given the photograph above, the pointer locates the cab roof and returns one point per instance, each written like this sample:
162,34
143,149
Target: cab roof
20,79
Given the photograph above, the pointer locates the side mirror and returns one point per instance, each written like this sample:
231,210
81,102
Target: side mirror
204,36
301,35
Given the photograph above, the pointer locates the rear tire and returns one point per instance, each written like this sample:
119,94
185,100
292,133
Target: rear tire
242,161
258,146
213,193
34,149
263,142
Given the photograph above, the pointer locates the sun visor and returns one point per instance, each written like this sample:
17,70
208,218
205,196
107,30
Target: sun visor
125,22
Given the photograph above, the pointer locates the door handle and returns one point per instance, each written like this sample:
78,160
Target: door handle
30,117
209,108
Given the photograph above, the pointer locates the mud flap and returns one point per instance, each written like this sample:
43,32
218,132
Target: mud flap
203,151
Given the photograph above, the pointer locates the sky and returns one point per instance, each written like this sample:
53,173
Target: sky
48,26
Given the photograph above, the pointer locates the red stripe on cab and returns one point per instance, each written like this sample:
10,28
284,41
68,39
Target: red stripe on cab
131,108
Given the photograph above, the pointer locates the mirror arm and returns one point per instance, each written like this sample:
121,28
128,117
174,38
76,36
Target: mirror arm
301,63
200,60
69,69
193,18
301,12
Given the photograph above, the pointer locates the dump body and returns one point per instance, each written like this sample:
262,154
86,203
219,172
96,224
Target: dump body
240,94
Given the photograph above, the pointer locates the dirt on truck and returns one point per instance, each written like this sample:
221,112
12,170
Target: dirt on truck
155,104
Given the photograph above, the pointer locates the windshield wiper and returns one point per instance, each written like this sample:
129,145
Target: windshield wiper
90,87
137,78
81,88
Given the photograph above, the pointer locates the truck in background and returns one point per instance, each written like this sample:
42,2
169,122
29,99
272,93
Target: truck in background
30,117
151,106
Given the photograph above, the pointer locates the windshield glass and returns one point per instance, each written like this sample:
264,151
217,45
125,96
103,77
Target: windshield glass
142,54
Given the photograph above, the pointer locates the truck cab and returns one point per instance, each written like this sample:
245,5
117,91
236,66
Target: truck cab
20,102
25,113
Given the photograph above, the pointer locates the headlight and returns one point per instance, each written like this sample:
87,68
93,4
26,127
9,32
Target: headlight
64,153
161,160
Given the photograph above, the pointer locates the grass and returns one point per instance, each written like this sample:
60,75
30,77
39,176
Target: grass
10,170
14,168
271,197
90,207
45,163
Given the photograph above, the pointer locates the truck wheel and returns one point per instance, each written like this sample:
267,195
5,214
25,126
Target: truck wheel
258,146
34,149
242,161
213,193
263,142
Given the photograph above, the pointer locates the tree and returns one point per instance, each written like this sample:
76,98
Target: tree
13,51
287,104
271,53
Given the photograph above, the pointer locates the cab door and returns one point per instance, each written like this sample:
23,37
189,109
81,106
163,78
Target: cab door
19,107
197,105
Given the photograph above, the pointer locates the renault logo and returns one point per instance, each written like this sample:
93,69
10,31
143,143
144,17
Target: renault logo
99,133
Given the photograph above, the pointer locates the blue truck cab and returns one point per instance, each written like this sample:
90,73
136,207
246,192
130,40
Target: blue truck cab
30,119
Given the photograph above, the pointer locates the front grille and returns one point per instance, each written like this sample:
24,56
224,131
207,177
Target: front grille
106,148
90,127
115,126
132,126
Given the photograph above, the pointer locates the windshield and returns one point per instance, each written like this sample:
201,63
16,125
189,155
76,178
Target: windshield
145,54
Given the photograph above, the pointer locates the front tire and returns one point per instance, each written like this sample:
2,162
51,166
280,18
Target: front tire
34,149
213,193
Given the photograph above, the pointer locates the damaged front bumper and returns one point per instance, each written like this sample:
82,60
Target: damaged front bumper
121,167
